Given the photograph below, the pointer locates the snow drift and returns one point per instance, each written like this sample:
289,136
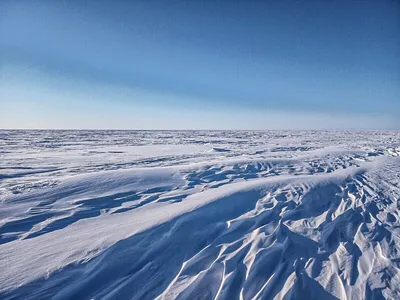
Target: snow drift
157,215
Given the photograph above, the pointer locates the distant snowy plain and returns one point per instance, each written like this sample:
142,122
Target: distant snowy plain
199,215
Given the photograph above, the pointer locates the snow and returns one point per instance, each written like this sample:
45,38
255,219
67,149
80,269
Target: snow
199,214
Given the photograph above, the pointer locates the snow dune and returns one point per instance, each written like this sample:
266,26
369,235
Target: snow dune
157,215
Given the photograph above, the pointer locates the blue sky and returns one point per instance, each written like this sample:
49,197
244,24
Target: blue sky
200,64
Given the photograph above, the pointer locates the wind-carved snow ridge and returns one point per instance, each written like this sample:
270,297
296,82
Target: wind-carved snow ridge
199,215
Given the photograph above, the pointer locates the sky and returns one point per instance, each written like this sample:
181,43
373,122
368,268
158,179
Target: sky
200,64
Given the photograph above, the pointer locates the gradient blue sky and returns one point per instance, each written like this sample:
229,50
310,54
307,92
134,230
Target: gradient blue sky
200,64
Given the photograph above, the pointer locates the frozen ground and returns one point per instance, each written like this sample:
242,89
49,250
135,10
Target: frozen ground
199,215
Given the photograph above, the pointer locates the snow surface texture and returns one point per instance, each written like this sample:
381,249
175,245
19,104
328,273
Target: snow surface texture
199,215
